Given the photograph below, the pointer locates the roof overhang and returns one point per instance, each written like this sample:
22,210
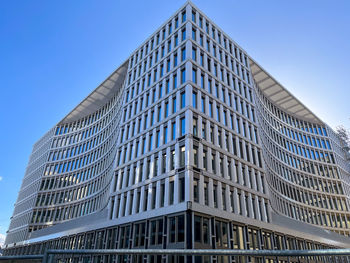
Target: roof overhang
99,97
280,96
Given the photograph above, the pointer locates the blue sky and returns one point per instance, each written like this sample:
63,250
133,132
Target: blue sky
53,53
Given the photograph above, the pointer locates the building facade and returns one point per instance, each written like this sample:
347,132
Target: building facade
188,144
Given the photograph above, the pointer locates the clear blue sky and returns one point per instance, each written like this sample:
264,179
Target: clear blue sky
53,53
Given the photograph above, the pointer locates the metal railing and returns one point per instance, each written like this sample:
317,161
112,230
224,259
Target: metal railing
49,255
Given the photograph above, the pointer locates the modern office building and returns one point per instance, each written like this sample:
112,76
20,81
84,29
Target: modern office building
188,144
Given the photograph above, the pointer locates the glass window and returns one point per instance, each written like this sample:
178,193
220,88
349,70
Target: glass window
175,60
172,160
194,54
171,201
150,142
183,100
195,127
158,138
168,65
175,81
183,16
176,40
183,54
182,156
173,130
174,104
204,131
196,196
194,100
181,228
183,75
215,197
210,109
165,134
181,189
203,104
206,194
183,126
166,110
183,34
195,155
194,75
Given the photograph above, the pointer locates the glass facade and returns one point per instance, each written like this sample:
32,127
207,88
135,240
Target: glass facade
187,150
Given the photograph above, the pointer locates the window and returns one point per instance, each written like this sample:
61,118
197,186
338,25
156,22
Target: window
162,192
183,126
194,100
162,51
183,34
223,198
152,118
206,193
183,16
204,131
171,191
145,199
183,100
167,66
175,81
177,229
202,81
218,113
195,155
209,86
169,46
153,201
150,144
194,34
176,40
172,160
203,104
161,71
175,60
165,135
183,75
196,191
170,28
163,33
182,156
181,189
194,54
194,75
156,232
158,138
195,126
166,110
215,195
159,114
210,109
213,166
183,54
173,130
174,104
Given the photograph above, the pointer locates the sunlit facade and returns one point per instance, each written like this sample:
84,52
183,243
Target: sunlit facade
188,144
